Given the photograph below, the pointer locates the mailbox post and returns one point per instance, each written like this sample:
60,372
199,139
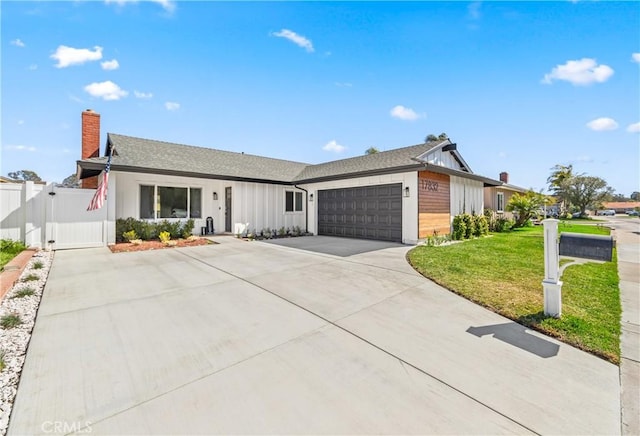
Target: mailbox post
551,284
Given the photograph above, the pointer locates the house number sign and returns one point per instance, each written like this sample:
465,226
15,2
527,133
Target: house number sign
429,185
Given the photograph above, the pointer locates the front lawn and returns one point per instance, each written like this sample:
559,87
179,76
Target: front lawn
504,273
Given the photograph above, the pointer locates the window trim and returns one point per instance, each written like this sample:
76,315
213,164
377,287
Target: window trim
295,203
499,196
155,187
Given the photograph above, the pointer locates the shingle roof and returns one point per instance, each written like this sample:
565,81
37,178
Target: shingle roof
158,155
384,160
137,154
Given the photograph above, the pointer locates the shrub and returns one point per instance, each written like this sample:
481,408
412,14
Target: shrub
187,228
482,226
130,235
7,245
470,225
10,321
282,231
503,224
165,236
459,228
2,362
25,292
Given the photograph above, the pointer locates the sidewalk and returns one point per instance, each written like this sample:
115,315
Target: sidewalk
627,233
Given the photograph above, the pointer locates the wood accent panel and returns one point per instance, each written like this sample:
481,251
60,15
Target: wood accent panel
434,204
428,222
434,192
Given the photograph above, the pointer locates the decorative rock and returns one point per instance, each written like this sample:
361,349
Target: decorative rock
14,341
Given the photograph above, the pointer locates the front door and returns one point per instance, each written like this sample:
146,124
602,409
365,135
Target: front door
227,209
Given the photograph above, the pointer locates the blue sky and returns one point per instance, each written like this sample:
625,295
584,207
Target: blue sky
518,86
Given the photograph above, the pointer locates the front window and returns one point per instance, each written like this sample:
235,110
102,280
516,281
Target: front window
293,201
500,201
170,202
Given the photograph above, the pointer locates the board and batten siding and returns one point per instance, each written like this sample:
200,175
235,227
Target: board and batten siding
467,196
433,204
260,205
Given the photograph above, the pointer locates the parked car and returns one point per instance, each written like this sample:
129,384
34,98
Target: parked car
607,212
632,212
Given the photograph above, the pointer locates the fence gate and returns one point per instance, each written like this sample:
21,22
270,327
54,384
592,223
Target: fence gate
69,224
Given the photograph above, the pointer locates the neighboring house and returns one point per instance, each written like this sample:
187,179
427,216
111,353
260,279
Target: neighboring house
497,197
621,206
400,195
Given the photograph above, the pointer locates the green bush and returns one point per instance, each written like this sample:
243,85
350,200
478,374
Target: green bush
470,225
459,228
9,246
187,228
503,224
148,230
482,226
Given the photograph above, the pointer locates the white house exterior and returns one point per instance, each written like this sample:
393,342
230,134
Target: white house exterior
401,195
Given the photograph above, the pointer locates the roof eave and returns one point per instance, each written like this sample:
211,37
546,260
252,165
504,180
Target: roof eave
350,175
444,170
89,169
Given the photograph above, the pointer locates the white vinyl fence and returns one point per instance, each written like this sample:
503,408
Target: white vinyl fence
50,216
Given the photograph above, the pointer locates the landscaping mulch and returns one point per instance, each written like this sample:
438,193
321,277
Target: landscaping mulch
126,247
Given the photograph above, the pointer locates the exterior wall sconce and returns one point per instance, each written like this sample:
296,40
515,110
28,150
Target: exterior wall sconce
310,197
215,195
406,191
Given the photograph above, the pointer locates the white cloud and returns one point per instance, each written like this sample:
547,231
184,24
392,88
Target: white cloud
602,124
167,5
20,122
32,67
404,113
105,90
583,158
635,57
110,65
19,148
633,128
580,72
295,38
145,95
17,42
76,99
172,106
474,10
334,147
67,56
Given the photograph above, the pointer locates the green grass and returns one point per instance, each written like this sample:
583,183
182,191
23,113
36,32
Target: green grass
597,229
2,362
8,250
37,265
504,273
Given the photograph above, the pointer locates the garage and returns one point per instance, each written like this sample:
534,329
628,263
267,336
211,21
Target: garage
366,212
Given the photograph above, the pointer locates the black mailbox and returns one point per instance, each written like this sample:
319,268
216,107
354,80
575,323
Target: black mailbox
597,247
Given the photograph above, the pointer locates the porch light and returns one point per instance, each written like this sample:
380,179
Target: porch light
310,197
406,191
215,195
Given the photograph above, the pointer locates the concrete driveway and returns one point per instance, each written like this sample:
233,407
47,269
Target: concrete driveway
255,338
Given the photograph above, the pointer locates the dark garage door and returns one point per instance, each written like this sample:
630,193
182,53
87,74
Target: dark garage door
367,212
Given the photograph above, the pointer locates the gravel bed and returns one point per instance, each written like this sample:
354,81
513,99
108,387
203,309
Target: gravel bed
14,341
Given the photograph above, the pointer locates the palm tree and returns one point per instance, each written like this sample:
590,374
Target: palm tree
559,175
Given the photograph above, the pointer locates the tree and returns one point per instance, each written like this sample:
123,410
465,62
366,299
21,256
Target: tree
525,206
618,197
371,150
635,196
560,173
431,137
586,192
26,175
71,181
